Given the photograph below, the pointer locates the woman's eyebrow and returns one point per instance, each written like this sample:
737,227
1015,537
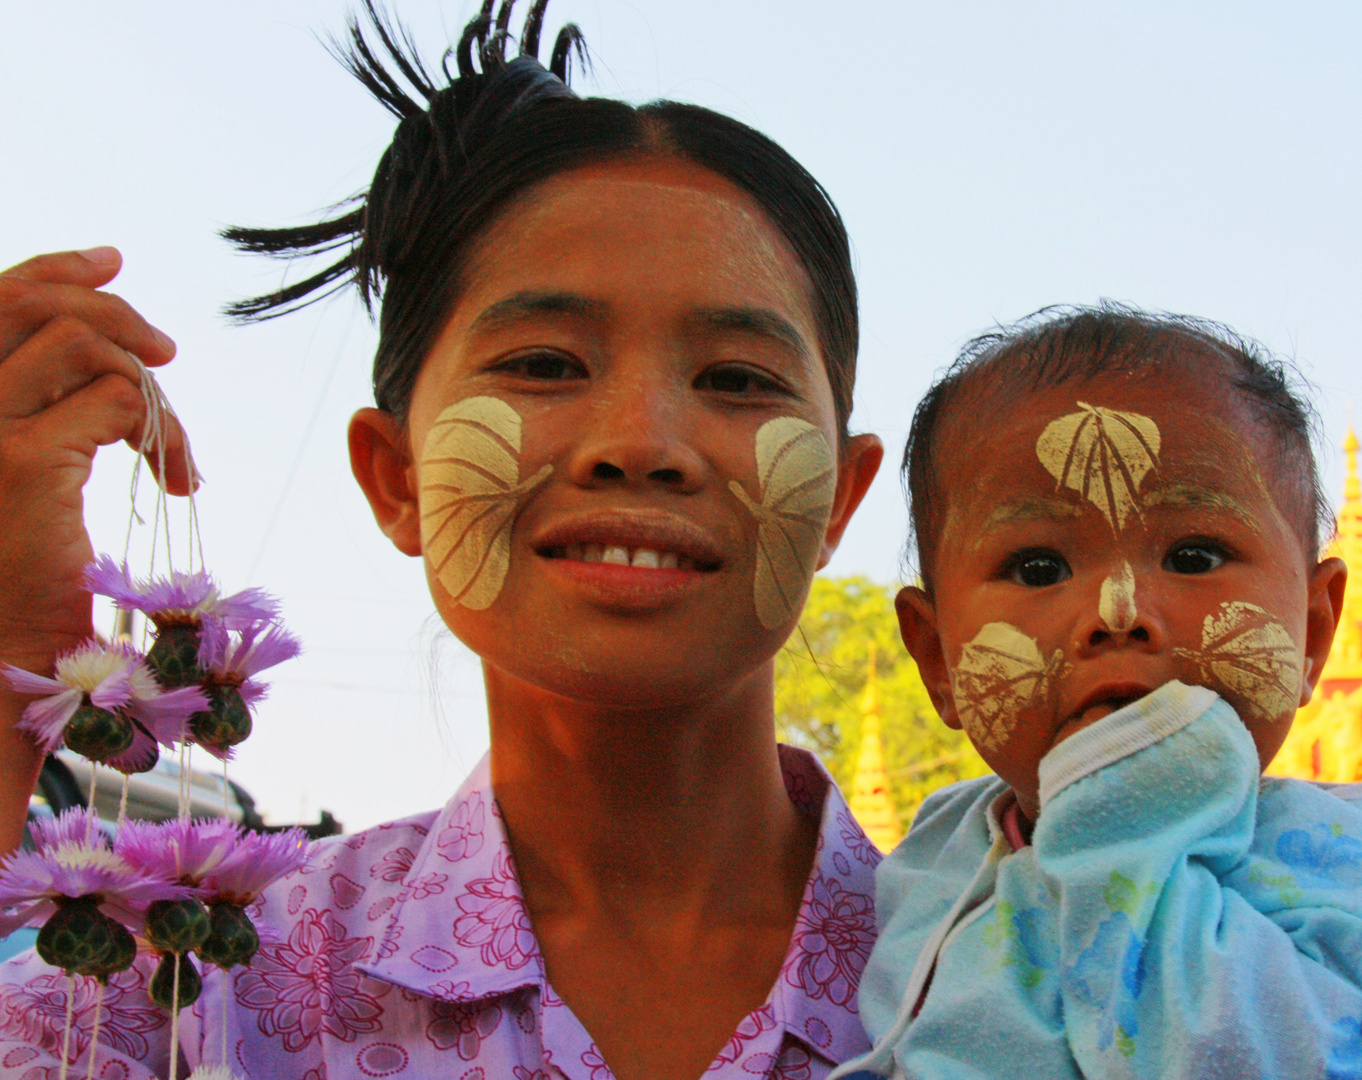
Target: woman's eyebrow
527,305
759,321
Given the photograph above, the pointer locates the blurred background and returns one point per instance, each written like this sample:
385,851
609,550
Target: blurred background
990,158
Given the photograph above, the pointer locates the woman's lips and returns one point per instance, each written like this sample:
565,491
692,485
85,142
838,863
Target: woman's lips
634,561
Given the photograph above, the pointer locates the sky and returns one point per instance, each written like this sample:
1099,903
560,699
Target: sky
990,157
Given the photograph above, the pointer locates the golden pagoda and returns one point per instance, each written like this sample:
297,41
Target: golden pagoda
1326,740
871,802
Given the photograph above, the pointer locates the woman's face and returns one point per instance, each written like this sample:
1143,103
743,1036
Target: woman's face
633,326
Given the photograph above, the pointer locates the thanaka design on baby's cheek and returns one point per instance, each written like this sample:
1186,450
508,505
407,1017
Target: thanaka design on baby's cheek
1000,675
471,492
797,474
1247,652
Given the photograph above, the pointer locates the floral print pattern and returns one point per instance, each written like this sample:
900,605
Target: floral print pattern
408,951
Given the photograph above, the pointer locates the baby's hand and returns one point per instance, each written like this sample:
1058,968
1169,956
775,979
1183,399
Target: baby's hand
67,386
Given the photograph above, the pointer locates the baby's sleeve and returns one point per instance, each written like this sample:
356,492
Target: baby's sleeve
1187,947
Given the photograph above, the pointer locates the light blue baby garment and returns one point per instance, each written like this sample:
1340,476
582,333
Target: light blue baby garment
1175,916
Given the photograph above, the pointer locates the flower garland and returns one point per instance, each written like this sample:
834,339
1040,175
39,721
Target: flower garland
173,889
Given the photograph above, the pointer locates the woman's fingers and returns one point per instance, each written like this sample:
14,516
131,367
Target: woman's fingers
175,454
34,293
91,268
55,362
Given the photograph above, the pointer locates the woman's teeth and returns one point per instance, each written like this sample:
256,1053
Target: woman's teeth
617,555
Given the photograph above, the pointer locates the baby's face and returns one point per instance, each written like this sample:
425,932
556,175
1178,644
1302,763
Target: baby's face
1101,538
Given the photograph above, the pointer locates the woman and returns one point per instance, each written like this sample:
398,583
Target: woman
616,354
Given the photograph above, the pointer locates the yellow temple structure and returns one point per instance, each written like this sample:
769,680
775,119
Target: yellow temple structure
872,802
1326,741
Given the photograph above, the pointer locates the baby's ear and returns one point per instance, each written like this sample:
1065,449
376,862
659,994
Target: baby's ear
1325,606
380,458
917,627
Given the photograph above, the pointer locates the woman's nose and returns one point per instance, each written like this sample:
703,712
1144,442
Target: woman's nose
635,434
1115,616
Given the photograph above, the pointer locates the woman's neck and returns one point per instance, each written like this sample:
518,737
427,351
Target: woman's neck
630,812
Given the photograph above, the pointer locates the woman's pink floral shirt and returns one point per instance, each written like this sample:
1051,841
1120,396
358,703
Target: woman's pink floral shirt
406,951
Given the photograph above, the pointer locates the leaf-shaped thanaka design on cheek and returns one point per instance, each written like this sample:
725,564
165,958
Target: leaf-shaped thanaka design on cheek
470,492
798,477
1248,652
1103,455
1116,600
1001,674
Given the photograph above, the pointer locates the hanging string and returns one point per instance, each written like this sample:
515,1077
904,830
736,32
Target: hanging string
94,1035
91,814
175,1020
66,1034
123,801
228,988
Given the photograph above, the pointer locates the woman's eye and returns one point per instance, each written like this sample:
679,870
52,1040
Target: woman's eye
544,366
733,379
1194,558
1037,569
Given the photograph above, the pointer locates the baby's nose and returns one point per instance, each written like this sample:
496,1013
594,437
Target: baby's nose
1117,617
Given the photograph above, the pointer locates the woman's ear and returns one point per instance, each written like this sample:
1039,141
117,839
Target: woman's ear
917,627
380,458
858,460
1325,606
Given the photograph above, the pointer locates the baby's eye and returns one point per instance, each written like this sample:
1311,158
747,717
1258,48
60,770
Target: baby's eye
736,379
1037,569
1194,557
545,366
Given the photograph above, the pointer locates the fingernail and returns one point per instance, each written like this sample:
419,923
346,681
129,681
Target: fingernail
104,256
163,339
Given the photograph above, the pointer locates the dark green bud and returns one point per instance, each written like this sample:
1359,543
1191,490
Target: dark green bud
177,925
79,938
174,656
122,953
225,723
161,989
233,940
98,734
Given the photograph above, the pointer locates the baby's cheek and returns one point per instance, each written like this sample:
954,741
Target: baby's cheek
1247,656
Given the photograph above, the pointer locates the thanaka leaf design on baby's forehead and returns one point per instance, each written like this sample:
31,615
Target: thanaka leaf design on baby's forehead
1104,455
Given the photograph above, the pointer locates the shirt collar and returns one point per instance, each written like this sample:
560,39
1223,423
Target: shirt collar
489,948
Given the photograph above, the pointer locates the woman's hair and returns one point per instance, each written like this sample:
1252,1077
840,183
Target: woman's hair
1057,345
463,150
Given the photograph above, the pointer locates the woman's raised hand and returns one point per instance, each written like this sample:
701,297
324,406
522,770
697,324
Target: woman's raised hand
68,385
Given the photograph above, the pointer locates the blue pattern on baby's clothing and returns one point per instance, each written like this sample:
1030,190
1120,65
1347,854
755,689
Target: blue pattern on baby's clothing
1176,916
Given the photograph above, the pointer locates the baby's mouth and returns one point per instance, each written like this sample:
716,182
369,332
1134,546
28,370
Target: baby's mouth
1104,701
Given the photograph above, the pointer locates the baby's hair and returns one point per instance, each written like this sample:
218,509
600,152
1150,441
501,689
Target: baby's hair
464,150
1057,345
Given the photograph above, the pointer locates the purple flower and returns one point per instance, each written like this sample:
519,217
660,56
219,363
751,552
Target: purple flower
72,860
259,859
191,599
183,851
243,656
114,678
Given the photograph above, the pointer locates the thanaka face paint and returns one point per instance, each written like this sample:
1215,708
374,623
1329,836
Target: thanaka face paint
470,494
1249,653
1116,600
1001,674
797,474
1103,455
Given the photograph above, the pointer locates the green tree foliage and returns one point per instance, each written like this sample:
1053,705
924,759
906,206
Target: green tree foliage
820,678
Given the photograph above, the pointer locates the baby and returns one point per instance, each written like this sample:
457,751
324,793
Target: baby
1122,604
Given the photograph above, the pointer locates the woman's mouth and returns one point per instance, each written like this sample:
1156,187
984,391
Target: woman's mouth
640,558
